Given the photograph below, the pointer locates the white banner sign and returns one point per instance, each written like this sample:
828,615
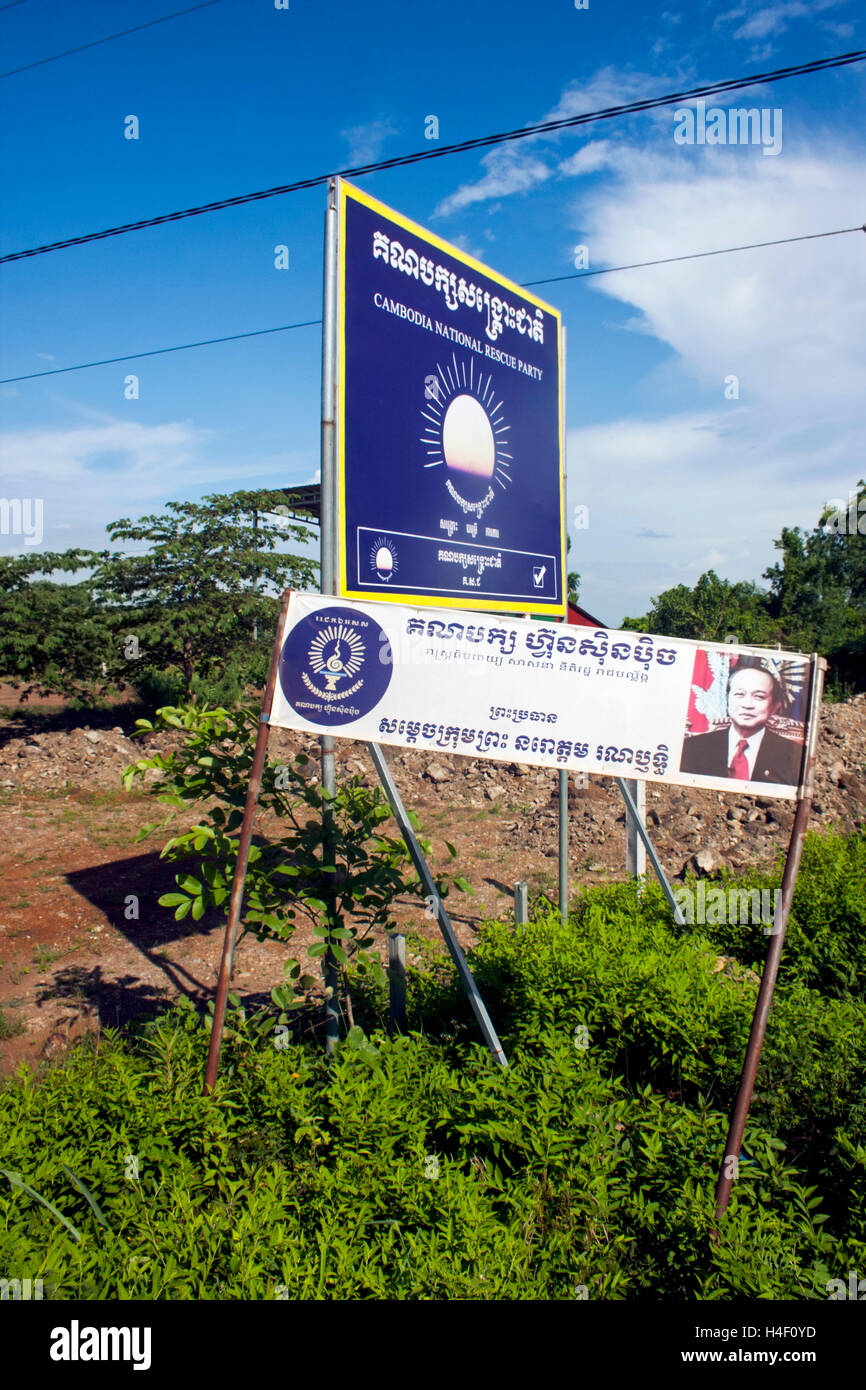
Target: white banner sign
616,704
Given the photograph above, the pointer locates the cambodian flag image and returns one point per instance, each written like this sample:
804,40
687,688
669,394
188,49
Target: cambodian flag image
708,695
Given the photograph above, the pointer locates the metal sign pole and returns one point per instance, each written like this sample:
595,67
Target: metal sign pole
563,776
730,1162
637,821
423,871
563,845
328,551
635,849
240,874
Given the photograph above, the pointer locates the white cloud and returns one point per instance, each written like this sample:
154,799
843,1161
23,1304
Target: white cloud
367,141
774,20
669,499
466,244
63,455
89,476
598,154
713,480
787,321
518,168
508,170
609,86
92,474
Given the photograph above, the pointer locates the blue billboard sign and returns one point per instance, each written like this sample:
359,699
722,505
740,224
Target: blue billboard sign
450,481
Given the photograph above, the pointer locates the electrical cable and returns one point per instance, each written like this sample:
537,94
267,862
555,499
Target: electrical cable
481,142
694,256
109,37
156,352
526,284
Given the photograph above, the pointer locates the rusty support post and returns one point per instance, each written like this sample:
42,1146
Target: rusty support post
730,1161
244,841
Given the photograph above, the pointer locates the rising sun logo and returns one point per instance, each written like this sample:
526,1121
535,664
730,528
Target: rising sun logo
466,434
383,558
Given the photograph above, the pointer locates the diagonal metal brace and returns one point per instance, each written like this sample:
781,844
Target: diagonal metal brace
431,890
650,849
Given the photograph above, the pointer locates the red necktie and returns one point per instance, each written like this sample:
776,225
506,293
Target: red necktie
739,767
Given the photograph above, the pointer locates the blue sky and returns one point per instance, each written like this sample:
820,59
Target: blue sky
677,478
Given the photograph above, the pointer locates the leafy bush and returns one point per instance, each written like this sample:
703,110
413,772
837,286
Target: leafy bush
156,688
415,1168
825,942
333,863
389,1173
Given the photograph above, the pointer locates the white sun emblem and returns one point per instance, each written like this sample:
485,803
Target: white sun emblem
466,432
336,653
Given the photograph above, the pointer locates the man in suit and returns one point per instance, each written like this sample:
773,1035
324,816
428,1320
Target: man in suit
747,751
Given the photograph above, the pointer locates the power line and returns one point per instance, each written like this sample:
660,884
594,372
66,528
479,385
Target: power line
309,323
108,39
11,4
694,256
481,142
156,352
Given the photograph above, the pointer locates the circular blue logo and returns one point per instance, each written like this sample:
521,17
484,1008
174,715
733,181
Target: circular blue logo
335,666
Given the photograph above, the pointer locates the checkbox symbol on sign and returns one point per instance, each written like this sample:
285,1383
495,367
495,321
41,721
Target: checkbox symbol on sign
538,573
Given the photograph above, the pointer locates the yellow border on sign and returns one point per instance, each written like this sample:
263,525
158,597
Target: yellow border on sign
489,604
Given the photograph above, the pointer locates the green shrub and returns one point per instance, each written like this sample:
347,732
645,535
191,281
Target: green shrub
825,942
415,1168
389,1173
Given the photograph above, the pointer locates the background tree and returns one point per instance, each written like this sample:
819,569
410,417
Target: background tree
198,600
816,600
710,612
572,579
53,636
818,592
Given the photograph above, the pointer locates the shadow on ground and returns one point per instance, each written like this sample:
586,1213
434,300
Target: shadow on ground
119,890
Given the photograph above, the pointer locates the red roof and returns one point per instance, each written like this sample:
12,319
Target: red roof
582,618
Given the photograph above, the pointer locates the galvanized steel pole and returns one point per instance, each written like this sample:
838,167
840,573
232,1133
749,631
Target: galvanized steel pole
563,775
521,904
328,543
637,821
423,870
563,845
635,849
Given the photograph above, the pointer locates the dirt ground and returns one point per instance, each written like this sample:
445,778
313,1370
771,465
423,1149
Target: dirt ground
84,943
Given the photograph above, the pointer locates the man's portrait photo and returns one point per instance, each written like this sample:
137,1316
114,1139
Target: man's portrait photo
746,719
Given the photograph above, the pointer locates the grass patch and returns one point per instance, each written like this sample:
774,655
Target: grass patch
10,1026
43,956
